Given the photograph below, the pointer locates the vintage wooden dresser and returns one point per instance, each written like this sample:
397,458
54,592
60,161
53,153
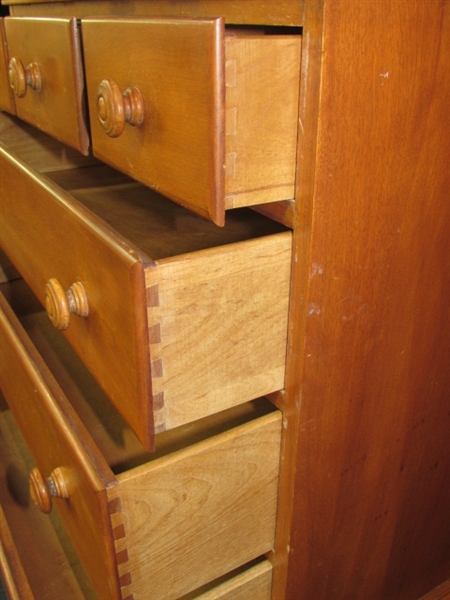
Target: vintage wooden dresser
224,299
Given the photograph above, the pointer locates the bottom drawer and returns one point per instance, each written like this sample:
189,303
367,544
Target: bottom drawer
37,561
145,526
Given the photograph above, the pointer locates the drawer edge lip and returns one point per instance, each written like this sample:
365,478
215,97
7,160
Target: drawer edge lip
121,244
135,262
100,476
282,237
164,462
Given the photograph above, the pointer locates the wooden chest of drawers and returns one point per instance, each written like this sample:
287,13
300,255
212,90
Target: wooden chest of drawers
253,408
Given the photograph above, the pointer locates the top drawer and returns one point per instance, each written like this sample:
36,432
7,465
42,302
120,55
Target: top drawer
46,75
204,115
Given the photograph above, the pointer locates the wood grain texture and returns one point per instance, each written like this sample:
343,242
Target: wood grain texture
38,149
217,499
218,106
178,150
14,579
60,241
56,438
58,108
250,12
372,486
255,583
442,592
207,345
260,138
222,317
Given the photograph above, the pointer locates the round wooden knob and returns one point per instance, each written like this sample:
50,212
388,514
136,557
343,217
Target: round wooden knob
43,490
60,304
21,78
115,108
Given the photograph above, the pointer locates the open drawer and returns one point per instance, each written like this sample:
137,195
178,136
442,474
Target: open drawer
46,75
203,114
149,525
176,318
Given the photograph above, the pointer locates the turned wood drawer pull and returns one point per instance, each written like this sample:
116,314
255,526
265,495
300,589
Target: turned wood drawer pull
20,77
60,304
115,108
43,489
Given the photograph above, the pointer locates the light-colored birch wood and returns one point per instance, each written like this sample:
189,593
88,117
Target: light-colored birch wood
212,505
200,330
222,320
254,583
260,128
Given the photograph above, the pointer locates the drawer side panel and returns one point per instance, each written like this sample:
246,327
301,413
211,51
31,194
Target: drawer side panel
210,509
221,321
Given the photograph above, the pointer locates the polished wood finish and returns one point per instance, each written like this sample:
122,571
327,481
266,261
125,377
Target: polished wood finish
176,310
364,492
45,58
61,241
218,494
442,592
40,150
175,124
56,439
369,358
61,304
249,12
21,78
6,95
37,561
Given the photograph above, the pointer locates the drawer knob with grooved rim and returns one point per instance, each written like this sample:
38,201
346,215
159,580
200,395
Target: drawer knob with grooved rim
60,304
21,77
115,109
42,489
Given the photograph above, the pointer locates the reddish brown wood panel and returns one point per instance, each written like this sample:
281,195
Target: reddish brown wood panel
372,495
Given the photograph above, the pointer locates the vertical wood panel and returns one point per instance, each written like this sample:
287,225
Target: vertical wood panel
372,492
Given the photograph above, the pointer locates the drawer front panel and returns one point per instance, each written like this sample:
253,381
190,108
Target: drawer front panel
63,241
211,508
6,95
50,428
178,147
46,74
193,111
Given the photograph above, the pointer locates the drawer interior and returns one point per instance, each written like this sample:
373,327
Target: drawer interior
195,314
112,435
157,226
38,549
